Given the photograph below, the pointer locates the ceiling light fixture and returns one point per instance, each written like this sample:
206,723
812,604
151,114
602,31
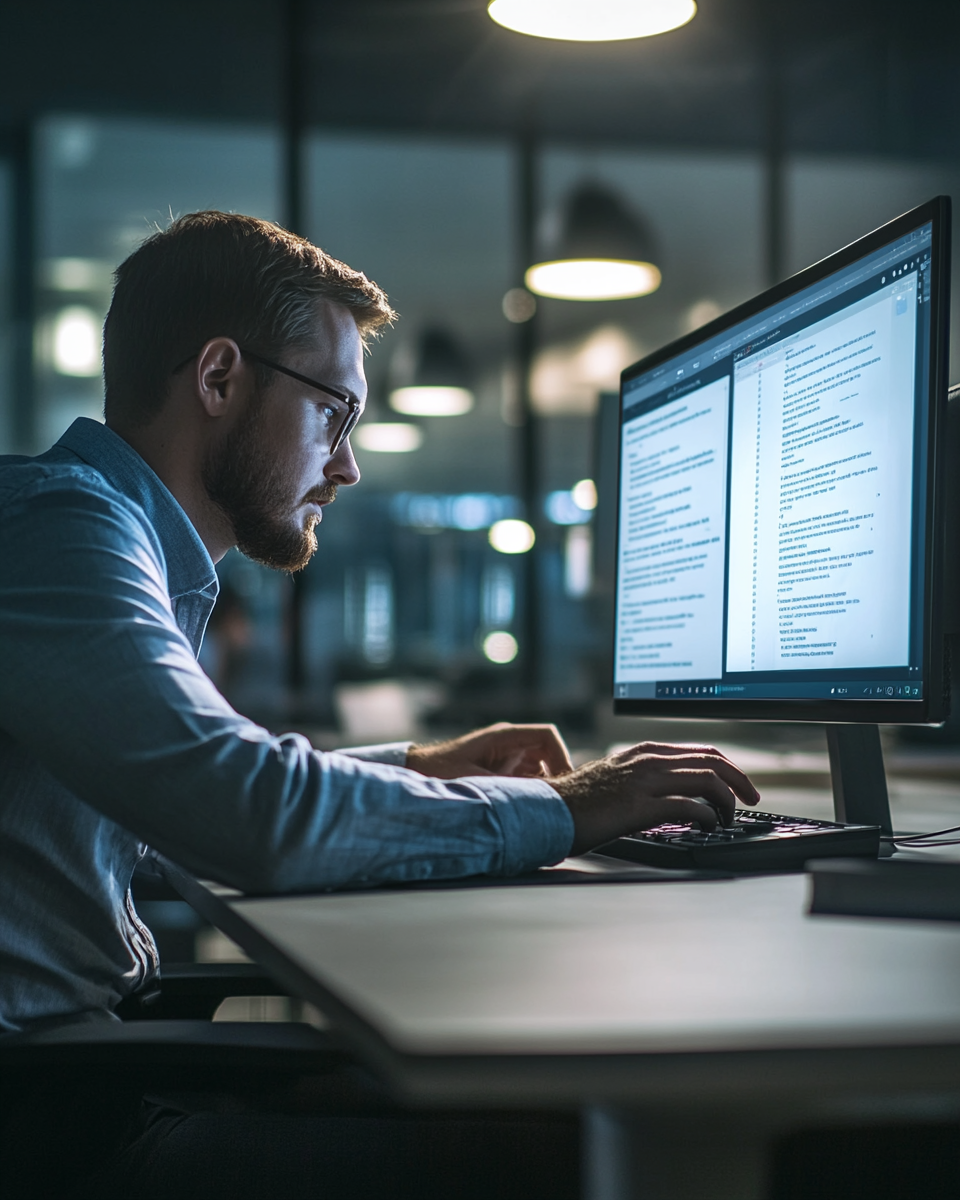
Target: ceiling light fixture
518,305
592,20
435,380
76,342
511,536
584,495
388,437
431,401
603,252
500,646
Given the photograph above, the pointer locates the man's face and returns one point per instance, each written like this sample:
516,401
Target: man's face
271,472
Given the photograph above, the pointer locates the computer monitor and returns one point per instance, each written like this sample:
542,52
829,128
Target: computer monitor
781,514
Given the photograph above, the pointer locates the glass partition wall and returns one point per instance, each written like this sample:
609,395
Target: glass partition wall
7,234
413,616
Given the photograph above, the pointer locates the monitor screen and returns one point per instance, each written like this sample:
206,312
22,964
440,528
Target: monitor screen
779,497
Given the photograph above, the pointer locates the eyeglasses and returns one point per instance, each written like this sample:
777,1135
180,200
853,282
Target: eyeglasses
348,421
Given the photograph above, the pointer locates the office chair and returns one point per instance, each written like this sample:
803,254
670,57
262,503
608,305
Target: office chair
167,1028
166,1044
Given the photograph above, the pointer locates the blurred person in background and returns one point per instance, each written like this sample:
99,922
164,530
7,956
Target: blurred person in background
233,367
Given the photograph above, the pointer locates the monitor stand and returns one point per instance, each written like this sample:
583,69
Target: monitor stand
859,779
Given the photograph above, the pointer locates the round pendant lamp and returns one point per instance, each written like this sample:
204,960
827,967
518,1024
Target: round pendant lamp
388,437
440,381
592,20
603,252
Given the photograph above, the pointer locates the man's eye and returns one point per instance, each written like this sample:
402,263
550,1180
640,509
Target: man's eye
329,412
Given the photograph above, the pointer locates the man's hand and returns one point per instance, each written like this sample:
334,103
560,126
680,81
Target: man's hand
648,785
502,749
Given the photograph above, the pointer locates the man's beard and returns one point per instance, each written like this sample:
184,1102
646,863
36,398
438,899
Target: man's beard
255,497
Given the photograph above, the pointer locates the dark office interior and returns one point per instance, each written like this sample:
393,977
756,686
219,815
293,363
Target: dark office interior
469,578
434,150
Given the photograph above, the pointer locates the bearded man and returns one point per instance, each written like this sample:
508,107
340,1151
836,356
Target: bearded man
233,368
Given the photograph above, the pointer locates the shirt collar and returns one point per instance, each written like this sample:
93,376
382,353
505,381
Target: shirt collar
189,566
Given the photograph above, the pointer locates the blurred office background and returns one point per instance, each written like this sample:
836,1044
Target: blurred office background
435,151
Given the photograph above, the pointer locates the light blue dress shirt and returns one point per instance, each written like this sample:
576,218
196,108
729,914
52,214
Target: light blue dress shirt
113,740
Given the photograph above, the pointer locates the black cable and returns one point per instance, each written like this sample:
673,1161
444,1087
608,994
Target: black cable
928,845
921,840
914,837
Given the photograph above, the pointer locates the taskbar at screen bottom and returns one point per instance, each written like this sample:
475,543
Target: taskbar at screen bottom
712,689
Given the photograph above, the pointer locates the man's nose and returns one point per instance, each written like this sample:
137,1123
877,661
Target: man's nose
341,467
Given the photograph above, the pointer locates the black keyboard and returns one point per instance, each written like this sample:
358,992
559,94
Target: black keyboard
757,841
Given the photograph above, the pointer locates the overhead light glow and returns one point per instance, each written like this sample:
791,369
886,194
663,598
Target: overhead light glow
388,437
467,511
699,314
562,509
568,378
584,494
592,20
518,305
432,401
77,274
76,342
578,561
512,536
500,646
593,279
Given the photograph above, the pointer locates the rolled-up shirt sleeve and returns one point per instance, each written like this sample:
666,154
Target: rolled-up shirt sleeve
100,685
394,753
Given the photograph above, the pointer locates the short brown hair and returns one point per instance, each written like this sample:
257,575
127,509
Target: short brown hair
214,274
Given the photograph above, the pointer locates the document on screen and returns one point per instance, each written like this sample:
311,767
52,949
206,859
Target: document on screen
672,541
821,492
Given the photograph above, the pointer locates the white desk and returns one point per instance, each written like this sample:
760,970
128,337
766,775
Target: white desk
692,1021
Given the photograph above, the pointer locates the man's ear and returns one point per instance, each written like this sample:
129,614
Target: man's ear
221,376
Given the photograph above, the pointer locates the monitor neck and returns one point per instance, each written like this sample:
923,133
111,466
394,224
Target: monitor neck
859,778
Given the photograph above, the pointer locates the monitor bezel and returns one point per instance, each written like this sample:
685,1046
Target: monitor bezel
934,707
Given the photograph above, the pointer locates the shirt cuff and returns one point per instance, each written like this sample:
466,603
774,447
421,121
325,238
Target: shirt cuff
394,754
536,824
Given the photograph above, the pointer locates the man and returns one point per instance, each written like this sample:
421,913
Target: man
233,368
